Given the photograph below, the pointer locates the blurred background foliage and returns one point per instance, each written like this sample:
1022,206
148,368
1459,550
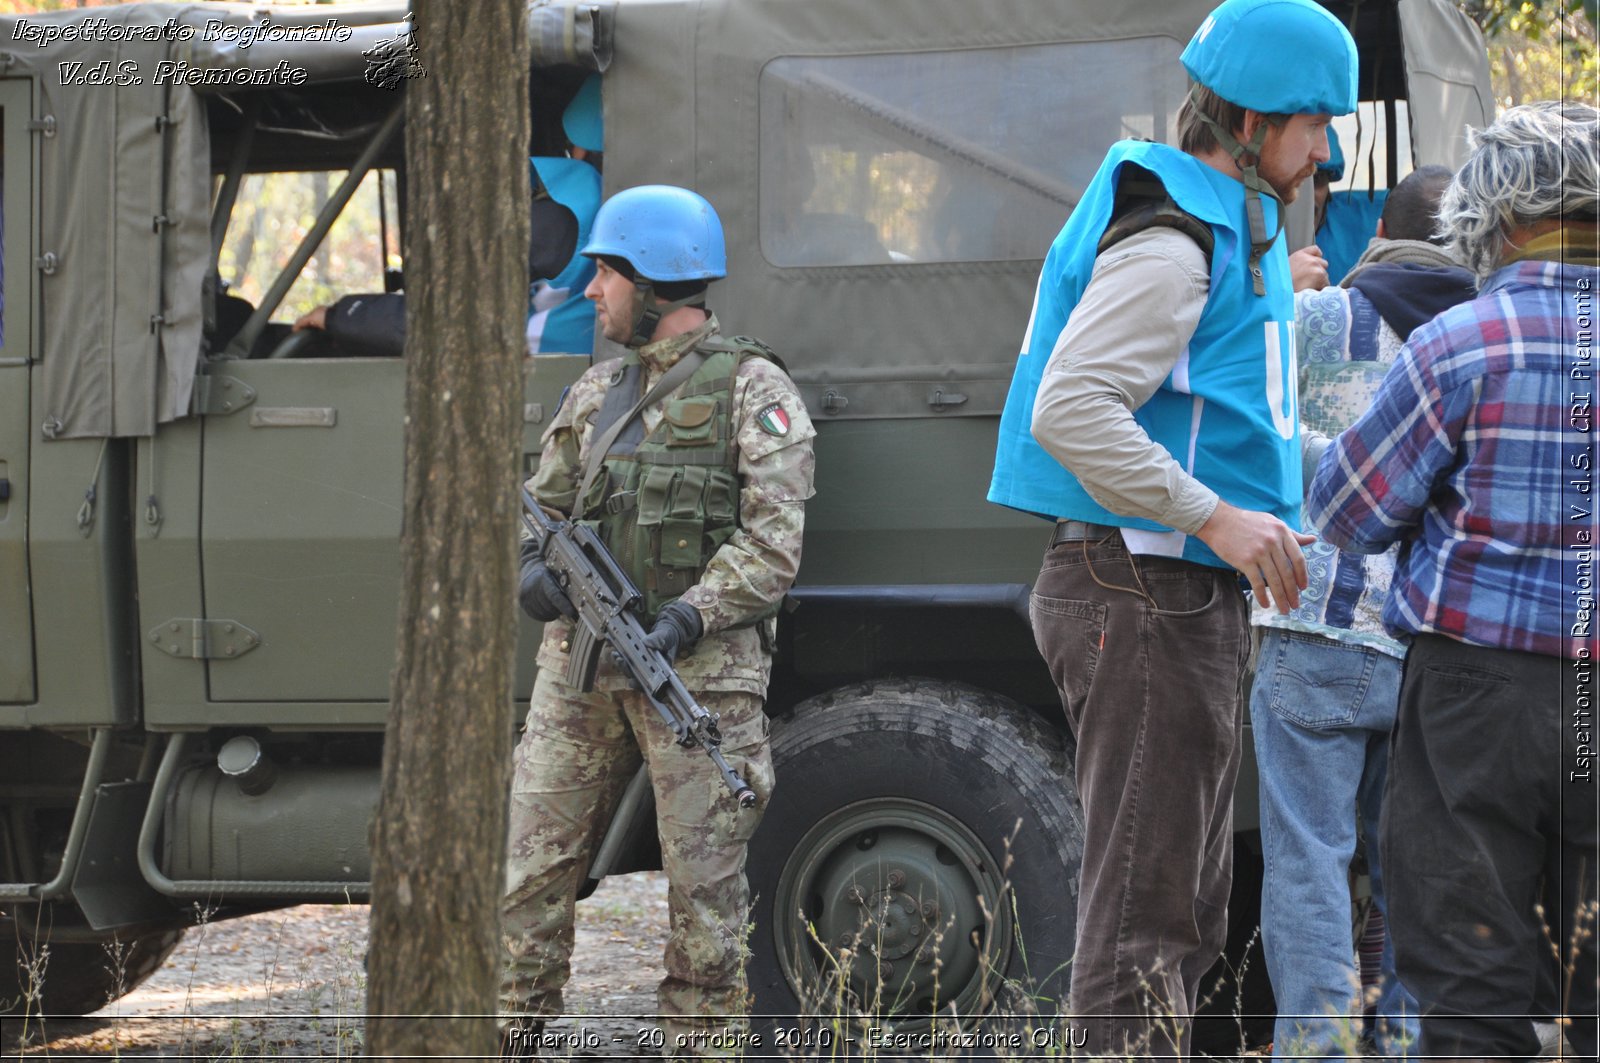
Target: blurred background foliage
1540,49
272,214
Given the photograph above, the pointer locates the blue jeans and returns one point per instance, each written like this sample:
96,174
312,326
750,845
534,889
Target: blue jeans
1321,713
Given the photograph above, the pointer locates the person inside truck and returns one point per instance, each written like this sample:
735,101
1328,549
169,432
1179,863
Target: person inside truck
566,195
1468,457
560,318
1152,417
693,456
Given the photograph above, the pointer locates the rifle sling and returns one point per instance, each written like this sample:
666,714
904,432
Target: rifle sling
681,371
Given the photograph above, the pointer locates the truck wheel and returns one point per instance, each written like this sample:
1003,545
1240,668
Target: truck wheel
78,977
920,853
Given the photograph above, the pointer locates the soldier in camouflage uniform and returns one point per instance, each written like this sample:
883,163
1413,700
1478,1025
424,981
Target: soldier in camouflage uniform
701,497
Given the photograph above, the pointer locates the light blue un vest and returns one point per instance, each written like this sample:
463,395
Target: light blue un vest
1227,411
569,327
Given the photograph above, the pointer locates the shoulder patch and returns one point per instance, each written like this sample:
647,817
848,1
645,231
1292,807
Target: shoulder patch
773,420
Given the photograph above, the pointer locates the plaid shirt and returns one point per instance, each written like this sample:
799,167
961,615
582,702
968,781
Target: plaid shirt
1472,455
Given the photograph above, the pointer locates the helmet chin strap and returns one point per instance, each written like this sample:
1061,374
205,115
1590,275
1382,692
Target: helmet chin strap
652,310
1255,188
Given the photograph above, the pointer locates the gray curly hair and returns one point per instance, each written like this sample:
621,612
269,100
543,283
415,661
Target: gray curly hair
1537,162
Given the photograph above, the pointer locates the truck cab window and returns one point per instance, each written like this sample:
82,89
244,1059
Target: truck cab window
272,216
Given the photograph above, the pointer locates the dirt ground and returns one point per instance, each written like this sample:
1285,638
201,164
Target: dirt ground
291,984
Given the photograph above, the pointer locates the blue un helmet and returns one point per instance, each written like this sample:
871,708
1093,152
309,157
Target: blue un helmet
1334,166
667,235
1271,57
582,121
1275,57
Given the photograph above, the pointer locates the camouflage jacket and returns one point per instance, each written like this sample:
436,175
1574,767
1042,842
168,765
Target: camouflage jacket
755,568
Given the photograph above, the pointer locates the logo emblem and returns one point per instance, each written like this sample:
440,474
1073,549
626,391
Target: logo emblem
773,420
395,60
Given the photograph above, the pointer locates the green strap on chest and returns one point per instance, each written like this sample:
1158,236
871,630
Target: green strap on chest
669,500
680,372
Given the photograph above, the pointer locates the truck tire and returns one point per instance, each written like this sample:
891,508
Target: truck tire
920,852
79,977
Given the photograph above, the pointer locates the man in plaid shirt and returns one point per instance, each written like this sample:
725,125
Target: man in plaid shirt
1472,455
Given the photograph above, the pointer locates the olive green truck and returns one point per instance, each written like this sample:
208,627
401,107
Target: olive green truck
200,516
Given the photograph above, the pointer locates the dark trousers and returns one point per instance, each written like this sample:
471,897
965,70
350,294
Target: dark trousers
1484,829
1148,655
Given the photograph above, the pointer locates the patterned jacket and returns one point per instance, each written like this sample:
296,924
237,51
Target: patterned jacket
1345,345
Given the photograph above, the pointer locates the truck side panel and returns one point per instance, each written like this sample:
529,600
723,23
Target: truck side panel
16,601
16,619
81,564
300,528
167,550
282,517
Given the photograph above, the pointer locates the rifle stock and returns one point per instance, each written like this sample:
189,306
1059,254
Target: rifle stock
607,605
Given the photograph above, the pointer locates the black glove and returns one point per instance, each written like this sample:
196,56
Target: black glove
677,629
541,596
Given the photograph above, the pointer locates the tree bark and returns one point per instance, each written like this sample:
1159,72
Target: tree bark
439,838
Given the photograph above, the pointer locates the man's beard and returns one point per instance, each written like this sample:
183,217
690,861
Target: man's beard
1288,193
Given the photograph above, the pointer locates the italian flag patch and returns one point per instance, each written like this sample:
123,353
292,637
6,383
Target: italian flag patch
773,420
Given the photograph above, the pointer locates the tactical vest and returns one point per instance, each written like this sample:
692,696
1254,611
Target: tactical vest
665,503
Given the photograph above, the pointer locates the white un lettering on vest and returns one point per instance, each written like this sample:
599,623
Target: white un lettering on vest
1283,377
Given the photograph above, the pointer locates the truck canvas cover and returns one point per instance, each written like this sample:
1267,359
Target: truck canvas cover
119,356
935,163
960,132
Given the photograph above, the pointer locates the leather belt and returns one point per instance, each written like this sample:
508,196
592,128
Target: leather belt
1072,531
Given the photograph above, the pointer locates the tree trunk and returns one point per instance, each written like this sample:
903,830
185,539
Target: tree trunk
439,838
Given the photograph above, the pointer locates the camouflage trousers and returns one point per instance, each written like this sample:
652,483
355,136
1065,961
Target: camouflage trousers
577,754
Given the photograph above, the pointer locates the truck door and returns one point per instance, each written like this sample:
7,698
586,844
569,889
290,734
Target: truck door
301,473
300,529
301,496
302,485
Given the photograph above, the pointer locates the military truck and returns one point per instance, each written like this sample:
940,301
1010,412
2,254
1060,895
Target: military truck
199,509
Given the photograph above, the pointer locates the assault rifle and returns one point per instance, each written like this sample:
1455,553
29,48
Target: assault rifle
608,615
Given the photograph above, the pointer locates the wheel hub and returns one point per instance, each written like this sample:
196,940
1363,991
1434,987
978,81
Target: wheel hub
899,903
